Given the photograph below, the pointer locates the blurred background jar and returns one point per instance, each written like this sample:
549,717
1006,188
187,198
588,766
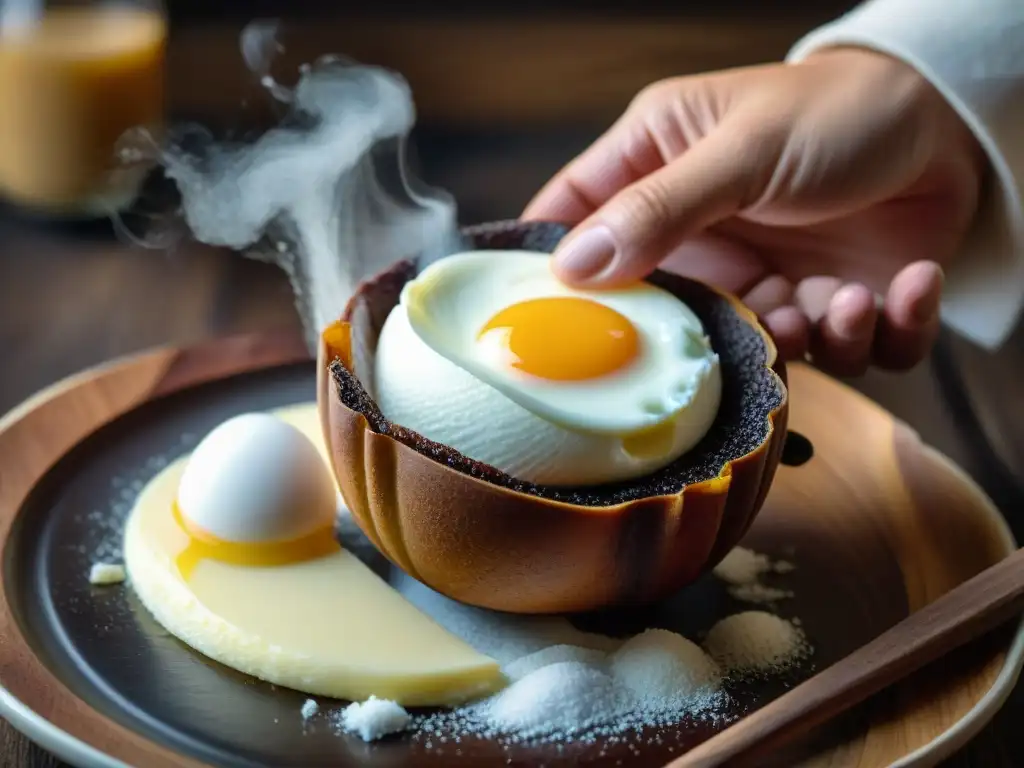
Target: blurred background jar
74,76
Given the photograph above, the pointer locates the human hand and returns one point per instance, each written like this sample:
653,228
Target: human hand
807,189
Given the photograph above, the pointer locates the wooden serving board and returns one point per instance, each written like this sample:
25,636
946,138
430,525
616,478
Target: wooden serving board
877,524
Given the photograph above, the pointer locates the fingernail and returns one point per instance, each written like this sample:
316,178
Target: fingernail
853,317
927,306
852,326
587,254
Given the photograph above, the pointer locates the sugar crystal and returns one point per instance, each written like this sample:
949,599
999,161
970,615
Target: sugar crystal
374,718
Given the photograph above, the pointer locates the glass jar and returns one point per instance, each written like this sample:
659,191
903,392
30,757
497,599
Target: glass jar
74,76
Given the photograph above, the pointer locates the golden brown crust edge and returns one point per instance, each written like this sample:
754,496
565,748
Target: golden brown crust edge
498,548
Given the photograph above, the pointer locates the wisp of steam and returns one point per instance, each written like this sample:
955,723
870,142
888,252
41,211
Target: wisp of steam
326,194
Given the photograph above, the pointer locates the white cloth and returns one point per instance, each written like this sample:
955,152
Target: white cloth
972,51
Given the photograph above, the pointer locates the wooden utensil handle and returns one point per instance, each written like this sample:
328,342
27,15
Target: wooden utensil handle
963,614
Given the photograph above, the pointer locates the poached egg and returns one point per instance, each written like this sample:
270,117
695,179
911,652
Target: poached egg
490,354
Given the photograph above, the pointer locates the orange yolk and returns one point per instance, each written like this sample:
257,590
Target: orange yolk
566,338
204,545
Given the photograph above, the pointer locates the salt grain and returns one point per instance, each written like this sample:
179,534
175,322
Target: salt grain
103,574
374,718
755,641
309,709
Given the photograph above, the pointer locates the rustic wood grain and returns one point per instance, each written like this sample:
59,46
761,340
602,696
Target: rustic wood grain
916,495
973,608
476,72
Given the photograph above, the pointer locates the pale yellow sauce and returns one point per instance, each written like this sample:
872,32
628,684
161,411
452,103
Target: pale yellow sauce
324,625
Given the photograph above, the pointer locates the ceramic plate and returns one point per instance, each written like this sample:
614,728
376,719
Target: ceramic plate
876,523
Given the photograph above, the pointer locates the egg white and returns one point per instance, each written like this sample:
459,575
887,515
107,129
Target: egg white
257,478
451,300
558,433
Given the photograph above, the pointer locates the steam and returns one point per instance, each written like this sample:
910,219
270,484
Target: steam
19,16
327,194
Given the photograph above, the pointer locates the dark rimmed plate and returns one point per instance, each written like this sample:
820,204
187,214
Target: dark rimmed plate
146,699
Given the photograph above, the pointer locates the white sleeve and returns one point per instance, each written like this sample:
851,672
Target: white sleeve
972,51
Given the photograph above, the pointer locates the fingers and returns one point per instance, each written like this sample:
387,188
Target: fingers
848,329
771,293
638,227
842,319
909,323
621,156
841,341
721,262
791,330
772,300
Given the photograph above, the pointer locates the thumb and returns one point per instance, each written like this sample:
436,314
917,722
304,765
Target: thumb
628,236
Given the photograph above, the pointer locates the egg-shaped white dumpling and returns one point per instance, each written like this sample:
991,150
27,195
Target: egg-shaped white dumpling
256,478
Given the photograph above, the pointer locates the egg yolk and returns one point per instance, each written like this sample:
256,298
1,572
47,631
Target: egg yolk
204,545
566,338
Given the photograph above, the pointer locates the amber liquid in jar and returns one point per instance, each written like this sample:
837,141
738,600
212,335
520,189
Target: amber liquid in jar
71,83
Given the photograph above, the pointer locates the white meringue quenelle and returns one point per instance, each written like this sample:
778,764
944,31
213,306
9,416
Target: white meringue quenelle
255,478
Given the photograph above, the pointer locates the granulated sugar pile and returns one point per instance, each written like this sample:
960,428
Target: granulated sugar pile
755,642
569,685
578,692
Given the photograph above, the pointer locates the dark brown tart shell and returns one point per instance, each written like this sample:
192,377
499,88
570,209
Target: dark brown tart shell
481,537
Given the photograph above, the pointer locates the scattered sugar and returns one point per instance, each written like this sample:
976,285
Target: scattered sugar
102,574
104,526
309,709
374,718
742,566
742,569
755,641
759,594
554,654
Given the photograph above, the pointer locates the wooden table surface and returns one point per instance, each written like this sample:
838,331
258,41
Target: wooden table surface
71,299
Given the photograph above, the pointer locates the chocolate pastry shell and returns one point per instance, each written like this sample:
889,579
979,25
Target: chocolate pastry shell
479,536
